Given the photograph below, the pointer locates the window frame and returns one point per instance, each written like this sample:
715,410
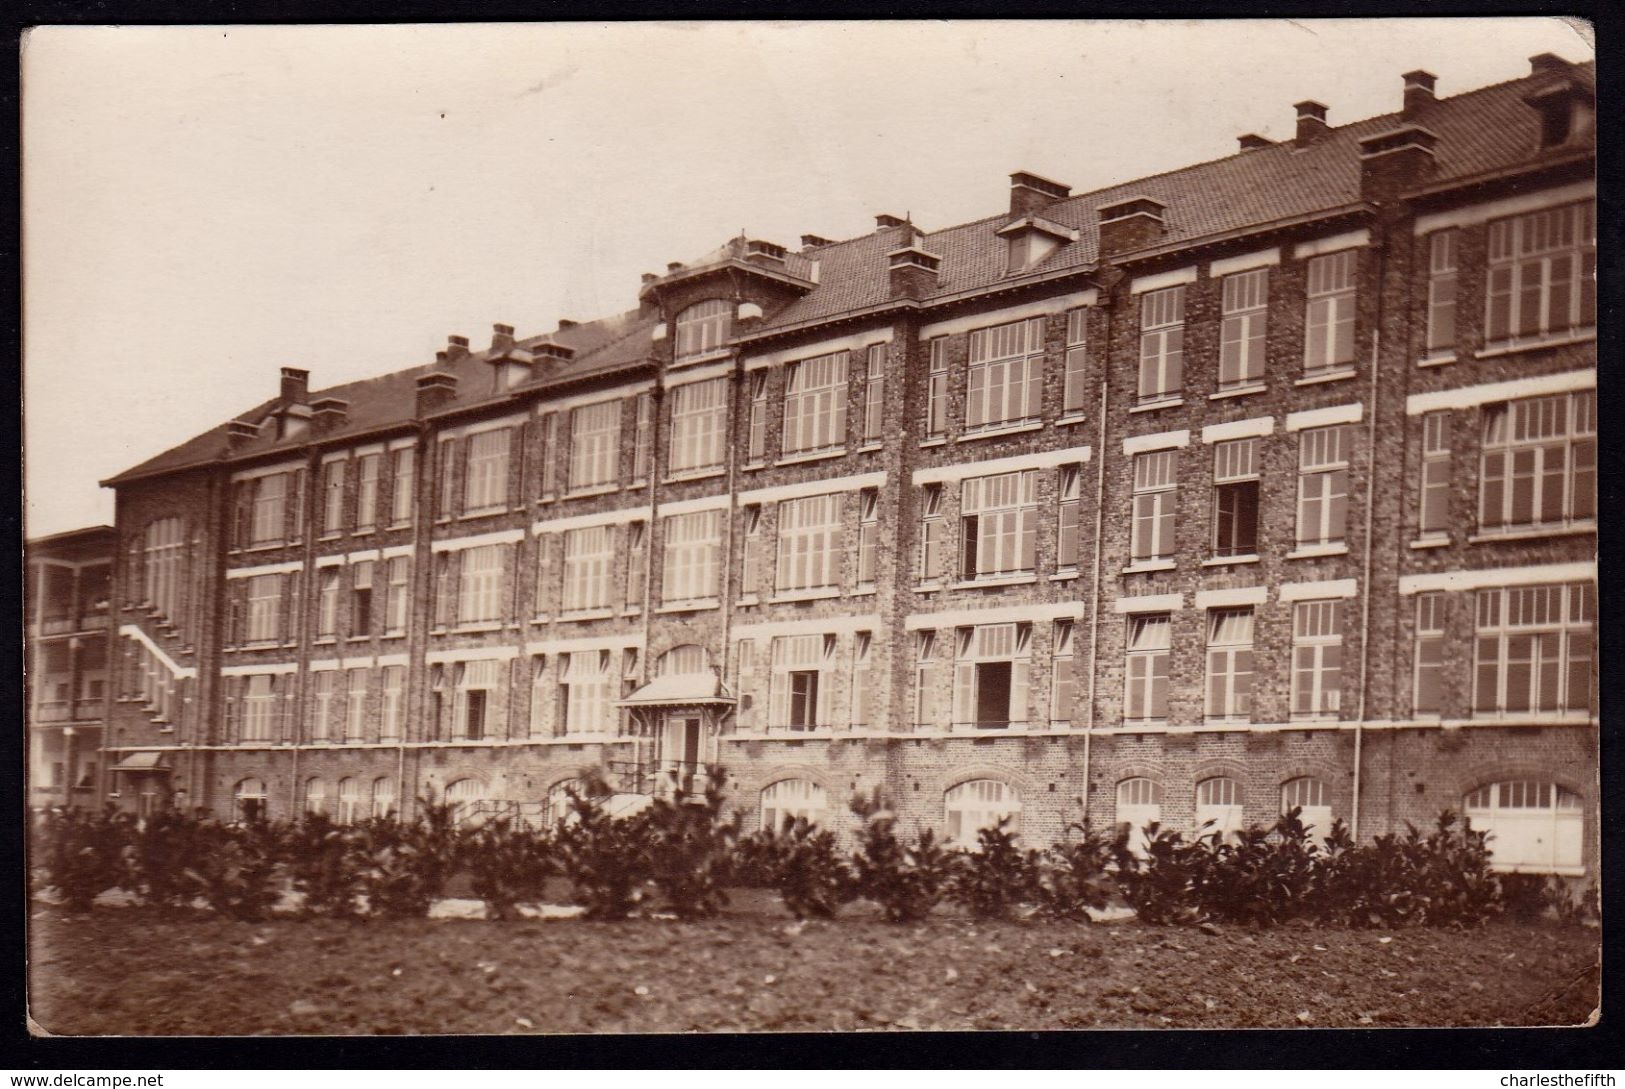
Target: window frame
1332,285
1243,328
1162,345
1004,375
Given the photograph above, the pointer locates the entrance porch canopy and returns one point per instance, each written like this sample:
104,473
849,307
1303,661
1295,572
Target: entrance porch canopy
681,690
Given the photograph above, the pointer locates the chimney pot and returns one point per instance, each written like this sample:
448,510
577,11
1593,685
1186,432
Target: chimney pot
1311,121
295,385
501,337
456,347
1418,91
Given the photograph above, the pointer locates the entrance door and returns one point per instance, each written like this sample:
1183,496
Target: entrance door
682,752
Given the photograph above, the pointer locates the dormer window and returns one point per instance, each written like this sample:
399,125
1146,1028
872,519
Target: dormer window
704,327
1030,239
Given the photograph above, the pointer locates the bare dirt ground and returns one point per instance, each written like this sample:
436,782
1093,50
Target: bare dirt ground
135,971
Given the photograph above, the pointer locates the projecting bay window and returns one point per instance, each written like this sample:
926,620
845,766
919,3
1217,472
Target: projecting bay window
999,525
699,421
1063,682
1069,523
1005,375
931,531
361,599
1235,498
473,697
368,469
1317,659
392,719
401,486
1542,280
485,482
874,394
327,602
1229,665
587,692
703,328
1156,495
1162,344
1149,640
397,595
936,390
1434,495
1534,651
862,678
868,536
1443,247
815,395
992,665
689,571
589,555
1329,325
1245,302
798,698
1427,692
642,437
595,432
1323,484
809,539
480,584
1539,464
333,497
1077,363
756,449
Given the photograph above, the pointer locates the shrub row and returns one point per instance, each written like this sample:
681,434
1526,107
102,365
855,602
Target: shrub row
690,852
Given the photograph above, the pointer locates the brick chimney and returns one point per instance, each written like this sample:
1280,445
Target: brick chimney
501,338
882,221
240,432
1418,92
456,347
568,323
673,266
329,414
436,389
813,241
1311,122
765,254
549,356
1131,224
1396,160
1251,141
1029,193
912,272
1543,63
295,386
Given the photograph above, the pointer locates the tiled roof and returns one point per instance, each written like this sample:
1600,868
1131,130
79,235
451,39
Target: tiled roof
1479,132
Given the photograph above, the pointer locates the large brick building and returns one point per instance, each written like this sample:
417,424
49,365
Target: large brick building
1267,481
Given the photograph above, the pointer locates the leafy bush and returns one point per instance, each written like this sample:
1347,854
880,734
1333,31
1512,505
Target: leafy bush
803,863
906,881
1524,896
996,877
606,860
321,861
402,868
161,853
507,864
1074,876
236,871
86,854
1258,877
1161,886
1456,882
689,849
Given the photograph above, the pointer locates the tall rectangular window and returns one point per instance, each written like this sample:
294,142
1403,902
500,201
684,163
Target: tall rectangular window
1077,362
264,608
815,394
595,434
1230,665
689,571
1428,690
936,390
809,541
1534,649
333,497
1005,376
637,563
1162,344
400,494
699,421
797,695
1539,462
485,484
1235,498
399,595
270,495
992,668
757,448
874,394
355,704
1542,274
1329,325
589,554
931,531
368,469
999,524
1317,659
643,437
868,536
588,691
327,601
1241,334
473,697
550,454
163,563
322,712
446,483
1441,324
1063,681
259,707
750,549
1323,484
361,599
925,652
1156,495
1148,646
480,587
1435,490
392,720
862,677
1069,523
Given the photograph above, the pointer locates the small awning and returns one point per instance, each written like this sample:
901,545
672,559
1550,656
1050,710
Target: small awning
142,761
680,690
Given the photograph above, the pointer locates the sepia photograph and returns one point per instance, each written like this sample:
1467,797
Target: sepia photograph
809,527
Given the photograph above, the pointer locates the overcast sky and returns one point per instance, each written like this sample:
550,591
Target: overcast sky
205,205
